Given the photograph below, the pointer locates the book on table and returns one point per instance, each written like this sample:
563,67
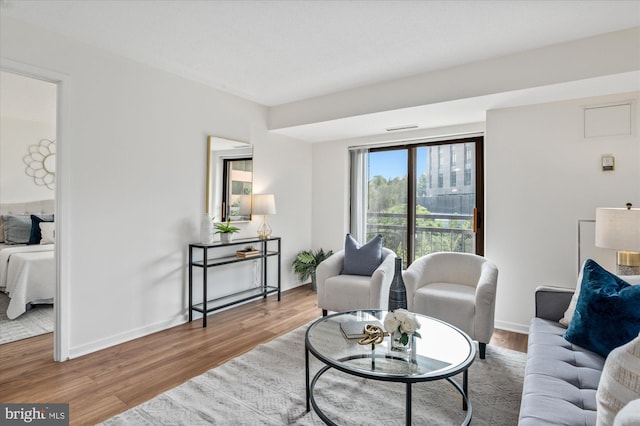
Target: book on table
247,253
355,329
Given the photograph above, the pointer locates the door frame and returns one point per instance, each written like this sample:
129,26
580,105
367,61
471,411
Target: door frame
478,140
61,331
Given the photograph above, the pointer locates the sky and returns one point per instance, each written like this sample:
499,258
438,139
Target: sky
391,164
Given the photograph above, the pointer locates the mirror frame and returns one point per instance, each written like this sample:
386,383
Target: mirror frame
213,187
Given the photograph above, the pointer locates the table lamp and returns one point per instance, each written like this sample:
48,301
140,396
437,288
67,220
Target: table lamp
264,204
619,229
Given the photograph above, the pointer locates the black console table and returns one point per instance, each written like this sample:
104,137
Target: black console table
266,249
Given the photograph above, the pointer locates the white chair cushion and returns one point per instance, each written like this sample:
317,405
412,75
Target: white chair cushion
452,303
348,292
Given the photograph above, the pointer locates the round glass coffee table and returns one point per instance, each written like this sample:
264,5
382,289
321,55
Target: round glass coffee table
442,352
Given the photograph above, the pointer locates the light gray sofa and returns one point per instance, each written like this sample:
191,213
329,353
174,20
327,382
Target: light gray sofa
561,378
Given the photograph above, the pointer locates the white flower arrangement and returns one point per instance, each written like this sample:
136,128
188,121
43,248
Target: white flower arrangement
404,322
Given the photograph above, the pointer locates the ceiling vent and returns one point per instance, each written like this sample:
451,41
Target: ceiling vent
405,127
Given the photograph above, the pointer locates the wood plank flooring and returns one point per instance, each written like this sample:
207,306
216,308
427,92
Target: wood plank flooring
102,384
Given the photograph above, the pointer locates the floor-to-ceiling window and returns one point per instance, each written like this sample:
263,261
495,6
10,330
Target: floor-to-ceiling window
423,198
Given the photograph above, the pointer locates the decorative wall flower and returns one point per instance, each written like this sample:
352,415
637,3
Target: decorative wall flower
41,163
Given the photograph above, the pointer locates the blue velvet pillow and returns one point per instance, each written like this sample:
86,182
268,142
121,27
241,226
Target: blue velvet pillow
362,260
36,234
607,313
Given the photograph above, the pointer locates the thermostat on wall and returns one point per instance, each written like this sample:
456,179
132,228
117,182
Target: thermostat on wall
608,163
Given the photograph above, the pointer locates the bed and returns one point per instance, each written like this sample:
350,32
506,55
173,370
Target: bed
27,268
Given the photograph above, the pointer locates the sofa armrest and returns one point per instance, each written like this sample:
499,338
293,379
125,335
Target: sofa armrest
551,302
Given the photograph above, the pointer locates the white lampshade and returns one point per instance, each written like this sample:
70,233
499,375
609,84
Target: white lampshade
618,229
264,204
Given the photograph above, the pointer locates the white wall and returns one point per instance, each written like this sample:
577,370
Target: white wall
542,175
137,155
27,115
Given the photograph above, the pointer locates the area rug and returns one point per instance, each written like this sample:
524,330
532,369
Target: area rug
266,386
38,320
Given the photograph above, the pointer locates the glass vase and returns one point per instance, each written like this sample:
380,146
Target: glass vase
397,291
396,344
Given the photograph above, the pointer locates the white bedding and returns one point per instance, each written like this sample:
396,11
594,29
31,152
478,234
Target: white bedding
29,276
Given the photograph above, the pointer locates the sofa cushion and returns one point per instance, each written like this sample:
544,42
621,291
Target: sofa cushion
568,314
362,260
620,381
629,415
607,313
17,228
36,234
560,379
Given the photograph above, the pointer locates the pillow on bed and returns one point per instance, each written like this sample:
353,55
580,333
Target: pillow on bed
48,231
35,236
17,228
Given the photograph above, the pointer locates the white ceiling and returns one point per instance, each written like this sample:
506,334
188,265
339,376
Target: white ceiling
275,52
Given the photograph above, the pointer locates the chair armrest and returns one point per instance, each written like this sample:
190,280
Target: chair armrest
328,268
486,288
552,302
381,282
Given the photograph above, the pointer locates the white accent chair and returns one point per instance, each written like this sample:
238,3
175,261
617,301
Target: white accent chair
340,293
458,288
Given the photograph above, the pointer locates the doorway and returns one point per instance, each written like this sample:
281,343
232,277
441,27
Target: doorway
61,228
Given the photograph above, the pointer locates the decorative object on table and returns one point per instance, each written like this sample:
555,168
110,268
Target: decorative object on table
41,163
374,335
206,230
397,292
401,325
619,229
306,262
264,204
356,329
248,251
226,231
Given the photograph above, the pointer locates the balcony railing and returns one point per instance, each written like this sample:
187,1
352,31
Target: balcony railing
445,232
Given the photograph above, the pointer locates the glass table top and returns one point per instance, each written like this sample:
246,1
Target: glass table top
442,351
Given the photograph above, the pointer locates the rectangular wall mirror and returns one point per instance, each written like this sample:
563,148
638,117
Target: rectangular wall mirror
229,179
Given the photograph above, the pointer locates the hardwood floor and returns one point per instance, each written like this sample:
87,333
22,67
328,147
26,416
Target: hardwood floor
102,384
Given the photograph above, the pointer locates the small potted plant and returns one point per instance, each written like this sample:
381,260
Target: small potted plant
226,231
307,261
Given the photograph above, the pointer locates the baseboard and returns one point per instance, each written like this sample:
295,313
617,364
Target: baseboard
117,339
512,326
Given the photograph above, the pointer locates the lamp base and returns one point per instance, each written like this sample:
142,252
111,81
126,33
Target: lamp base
628,263
264,231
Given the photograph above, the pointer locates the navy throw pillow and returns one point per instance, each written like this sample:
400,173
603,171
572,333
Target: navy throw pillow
362,260
607,313
36,234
